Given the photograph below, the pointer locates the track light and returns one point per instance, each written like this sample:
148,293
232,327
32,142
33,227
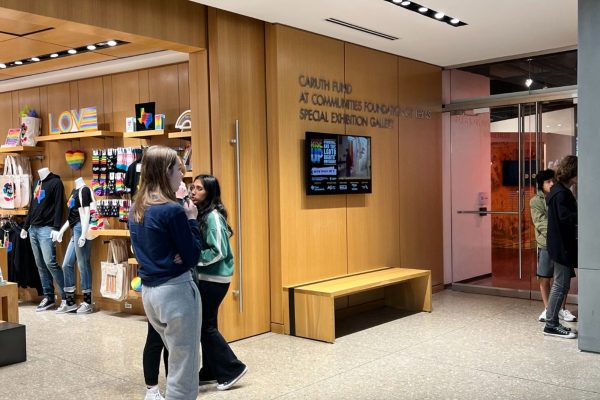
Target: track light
528,82
63,53
428,12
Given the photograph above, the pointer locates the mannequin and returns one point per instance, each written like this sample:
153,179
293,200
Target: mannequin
42,224
79,249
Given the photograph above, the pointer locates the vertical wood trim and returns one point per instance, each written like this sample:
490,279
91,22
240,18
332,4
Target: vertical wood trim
201,116
277,311
213,65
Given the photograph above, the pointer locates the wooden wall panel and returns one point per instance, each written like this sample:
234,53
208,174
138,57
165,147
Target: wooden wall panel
309,230
6,111
420,182
373,230
163,90
201,109
239,40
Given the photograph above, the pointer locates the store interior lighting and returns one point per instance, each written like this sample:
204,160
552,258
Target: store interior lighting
65,53
428,12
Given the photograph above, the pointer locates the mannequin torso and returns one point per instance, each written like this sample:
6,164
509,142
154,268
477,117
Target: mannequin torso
43,173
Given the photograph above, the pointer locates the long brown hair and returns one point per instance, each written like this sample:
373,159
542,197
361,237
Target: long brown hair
155,187
567,169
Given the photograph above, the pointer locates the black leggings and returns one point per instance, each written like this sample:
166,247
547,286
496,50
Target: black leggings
154,345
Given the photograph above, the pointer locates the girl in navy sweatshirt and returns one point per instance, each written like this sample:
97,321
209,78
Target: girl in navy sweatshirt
160,230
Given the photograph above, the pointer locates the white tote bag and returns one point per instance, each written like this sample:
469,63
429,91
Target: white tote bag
7,185
22,180
115,283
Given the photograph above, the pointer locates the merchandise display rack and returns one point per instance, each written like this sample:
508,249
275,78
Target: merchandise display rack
78,135
17,211
144,134
21,149
180,135
112,232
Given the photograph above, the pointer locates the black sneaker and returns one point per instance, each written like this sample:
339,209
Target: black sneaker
227,385
559,331
45,304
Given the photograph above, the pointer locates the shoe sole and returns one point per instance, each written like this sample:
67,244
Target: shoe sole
45,308
203,383
569,336
72,310
234,381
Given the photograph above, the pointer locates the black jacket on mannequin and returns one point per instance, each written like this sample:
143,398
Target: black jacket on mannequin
46,207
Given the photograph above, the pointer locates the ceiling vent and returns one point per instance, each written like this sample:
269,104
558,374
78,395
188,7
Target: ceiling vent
361,29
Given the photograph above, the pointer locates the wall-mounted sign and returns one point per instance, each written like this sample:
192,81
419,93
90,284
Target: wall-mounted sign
85,119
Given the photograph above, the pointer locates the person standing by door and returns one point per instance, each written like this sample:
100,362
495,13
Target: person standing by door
562,243
215,268
539,214
161,229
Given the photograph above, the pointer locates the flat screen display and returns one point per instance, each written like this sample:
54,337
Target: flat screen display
337,164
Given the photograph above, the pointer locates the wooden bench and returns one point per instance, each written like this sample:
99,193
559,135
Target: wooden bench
310,310
9,302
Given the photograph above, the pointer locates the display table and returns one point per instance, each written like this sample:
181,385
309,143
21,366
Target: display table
9,299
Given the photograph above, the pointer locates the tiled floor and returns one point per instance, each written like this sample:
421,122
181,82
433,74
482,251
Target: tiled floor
470,347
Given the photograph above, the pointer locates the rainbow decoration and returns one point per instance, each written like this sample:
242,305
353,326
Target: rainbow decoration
85,119
145,118
136,284
75,158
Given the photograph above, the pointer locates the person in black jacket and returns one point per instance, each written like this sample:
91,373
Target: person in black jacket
562,243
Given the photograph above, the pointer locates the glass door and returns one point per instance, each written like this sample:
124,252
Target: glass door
495,155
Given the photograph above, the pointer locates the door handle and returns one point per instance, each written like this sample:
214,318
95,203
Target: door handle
483,211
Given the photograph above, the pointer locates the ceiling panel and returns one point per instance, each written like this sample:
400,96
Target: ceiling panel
19,27
19,48
60,63
67,38
4,36
3,77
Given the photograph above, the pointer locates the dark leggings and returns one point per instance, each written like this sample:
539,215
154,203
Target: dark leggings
154,345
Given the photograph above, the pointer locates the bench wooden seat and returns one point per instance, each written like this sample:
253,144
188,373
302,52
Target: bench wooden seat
311,310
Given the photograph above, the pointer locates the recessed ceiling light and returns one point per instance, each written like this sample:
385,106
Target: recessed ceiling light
53,55
439,15
18,62
454,21
35,59
111,43
396,1
423,9
405,3
547,126
91,47
72,51
2,66
558,124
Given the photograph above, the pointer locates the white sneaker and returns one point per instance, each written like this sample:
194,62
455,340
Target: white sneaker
542,317
65,308
85,308
566,315
153,394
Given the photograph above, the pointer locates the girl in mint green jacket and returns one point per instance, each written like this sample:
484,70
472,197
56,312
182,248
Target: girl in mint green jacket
215,268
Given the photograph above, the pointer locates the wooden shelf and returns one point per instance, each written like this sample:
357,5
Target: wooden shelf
180,135
21,149
188,174
78,135
132,261
132,295
144,134
18,211
111,232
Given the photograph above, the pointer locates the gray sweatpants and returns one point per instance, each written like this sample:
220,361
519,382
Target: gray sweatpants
174,310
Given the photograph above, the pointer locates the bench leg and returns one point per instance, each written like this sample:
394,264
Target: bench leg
315,317
412,295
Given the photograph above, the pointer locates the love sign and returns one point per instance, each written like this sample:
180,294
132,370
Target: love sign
85,119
